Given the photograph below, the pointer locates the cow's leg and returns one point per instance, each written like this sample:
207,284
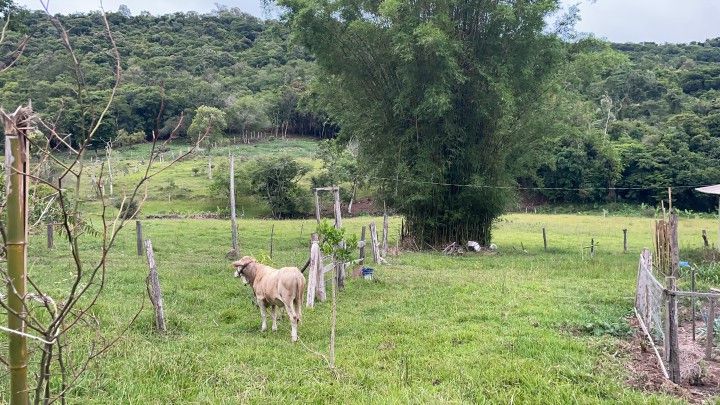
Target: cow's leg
261,304
293,320
273,312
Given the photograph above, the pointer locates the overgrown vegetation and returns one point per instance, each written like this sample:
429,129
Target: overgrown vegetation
275,180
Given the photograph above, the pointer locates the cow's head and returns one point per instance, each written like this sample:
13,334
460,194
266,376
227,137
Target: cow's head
241,268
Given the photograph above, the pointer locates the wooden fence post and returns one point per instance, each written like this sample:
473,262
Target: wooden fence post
339,267
705,239
315,273
317,206
672,319
374,243
592,247
139,237
384,250
272,235
710,335
544,239
153,285
625,241
362,245
50,238
693,300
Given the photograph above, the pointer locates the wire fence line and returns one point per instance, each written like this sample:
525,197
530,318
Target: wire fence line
662,322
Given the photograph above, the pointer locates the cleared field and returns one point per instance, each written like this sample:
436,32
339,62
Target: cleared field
518,326
184,188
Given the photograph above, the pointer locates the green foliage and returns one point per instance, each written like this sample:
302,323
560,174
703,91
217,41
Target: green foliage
208,122
127,208
426,101
248,113
124,138
334,242
619,329
275,180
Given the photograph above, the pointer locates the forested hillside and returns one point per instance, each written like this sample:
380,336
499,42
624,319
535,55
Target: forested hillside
621,122
636,117
229,60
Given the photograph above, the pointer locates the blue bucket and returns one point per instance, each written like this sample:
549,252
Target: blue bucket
367,273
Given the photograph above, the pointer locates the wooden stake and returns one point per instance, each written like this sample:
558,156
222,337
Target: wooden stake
706,244
592,247
386,225
272,235
674,245
362,246
693,300
139,237
333,314
710,326
374,243
154,291
50,237
674,348
317,206
544,239
625,249
338,212
315,275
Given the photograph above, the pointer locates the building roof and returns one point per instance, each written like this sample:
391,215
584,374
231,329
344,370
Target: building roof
710,189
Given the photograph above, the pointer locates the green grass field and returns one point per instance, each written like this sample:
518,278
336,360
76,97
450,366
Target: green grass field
505,328
184,187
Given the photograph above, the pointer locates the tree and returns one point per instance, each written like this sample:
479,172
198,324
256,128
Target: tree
248,113
275,180
208,122
437,93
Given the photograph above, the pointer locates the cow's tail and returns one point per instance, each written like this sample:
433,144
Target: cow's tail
305,266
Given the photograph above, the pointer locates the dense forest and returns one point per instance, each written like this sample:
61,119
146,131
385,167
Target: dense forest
618,122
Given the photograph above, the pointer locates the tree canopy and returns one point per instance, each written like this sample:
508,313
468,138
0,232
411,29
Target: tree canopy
438,94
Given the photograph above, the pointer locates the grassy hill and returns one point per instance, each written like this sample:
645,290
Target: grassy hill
184,188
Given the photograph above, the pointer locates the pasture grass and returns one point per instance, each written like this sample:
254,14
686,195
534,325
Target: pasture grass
430,328
184,188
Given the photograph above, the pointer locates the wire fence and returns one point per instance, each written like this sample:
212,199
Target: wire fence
680,325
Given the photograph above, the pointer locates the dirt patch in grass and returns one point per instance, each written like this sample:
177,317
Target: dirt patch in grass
700,378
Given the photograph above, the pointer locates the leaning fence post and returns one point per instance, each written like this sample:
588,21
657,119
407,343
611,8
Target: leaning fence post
710,326
153,286
139,237
544,239
673,347
50,238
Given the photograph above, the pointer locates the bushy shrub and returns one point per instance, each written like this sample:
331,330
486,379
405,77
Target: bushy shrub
127,208
275,180
124,138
